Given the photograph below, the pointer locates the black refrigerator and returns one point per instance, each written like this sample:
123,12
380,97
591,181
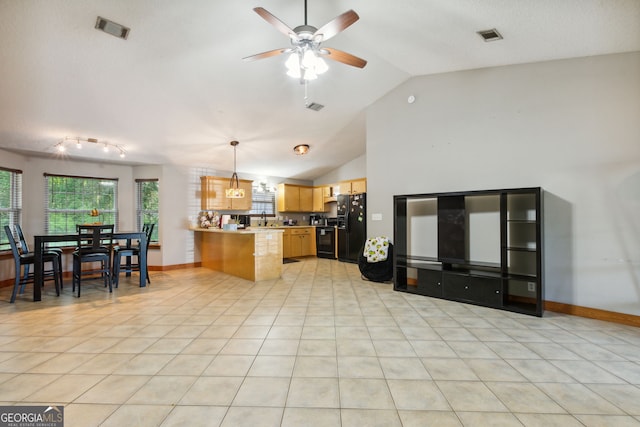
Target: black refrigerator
352,226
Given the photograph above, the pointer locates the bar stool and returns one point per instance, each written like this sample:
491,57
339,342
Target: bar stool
26,260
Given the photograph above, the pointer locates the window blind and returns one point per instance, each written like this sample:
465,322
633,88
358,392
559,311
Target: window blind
10,202
69,200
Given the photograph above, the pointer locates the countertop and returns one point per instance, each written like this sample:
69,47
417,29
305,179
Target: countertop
250,230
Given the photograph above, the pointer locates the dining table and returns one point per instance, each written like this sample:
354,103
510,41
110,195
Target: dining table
41,240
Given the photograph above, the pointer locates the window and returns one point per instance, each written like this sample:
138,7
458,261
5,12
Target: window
10,202
263,199
147,204
70,200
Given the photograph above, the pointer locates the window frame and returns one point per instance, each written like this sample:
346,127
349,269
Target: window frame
141,212
83,213
13,211
260,192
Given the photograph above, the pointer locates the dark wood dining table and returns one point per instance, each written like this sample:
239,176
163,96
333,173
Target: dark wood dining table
41,240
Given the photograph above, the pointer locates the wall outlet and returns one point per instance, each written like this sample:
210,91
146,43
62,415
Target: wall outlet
376,217
531,286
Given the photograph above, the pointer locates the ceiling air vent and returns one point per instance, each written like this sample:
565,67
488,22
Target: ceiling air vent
490,35
112,28
315,106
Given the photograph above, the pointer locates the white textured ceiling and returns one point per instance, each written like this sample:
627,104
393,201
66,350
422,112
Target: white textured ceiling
177,90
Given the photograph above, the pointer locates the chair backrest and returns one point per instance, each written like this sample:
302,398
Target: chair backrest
12,242
95,237
148,230
24,246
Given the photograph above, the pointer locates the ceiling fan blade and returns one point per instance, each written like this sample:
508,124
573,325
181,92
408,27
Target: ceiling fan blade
337,24
344,57
271,19
267,54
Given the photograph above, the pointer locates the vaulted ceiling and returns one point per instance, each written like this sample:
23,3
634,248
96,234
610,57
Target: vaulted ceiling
177,90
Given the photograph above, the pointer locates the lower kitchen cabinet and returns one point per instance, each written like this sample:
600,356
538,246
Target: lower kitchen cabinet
298,242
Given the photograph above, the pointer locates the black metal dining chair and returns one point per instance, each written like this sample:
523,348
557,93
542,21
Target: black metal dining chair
95,243
128,252
25,260
24,248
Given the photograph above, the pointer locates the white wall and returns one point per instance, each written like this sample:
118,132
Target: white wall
569,126
356,168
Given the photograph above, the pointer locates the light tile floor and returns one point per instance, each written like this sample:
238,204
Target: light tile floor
319,347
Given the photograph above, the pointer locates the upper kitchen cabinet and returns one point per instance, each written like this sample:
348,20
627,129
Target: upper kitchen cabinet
355,186
295,198
213,194
319,195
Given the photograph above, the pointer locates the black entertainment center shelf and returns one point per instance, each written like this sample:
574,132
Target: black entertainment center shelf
515,283
520,249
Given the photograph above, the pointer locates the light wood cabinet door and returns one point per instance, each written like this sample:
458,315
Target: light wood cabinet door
318,199
245,203
213,198
296,246
212,194
306,199
288,198
295,198
286,244
307,245
359,186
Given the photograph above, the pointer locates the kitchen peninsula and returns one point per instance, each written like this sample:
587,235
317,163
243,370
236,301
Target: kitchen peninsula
252,254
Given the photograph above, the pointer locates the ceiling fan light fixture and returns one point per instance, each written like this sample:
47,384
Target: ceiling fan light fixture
293,63
301,149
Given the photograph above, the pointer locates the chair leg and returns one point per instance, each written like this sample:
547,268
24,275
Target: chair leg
106,270
116,270
60,271
57,277
16,285
24,279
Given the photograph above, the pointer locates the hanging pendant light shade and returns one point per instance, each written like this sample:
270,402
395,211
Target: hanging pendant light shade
234,191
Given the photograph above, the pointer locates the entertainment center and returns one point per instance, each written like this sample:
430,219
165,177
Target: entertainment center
479,247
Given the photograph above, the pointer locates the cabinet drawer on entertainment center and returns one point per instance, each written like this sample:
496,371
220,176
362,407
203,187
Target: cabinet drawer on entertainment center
485,290
460,287
491,289
430,282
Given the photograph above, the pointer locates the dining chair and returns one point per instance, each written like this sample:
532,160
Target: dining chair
95,243
24,248
128,252
25,260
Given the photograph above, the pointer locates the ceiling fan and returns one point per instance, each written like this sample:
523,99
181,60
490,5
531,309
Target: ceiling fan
305,61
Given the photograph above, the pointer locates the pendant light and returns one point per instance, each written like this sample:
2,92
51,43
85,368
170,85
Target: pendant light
234,191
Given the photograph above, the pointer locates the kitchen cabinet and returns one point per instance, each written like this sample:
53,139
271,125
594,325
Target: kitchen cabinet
319,194
298,242
355,186
295,198
358,186
212,194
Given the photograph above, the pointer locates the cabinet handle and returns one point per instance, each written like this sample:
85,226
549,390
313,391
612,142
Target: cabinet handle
497,292
466,287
